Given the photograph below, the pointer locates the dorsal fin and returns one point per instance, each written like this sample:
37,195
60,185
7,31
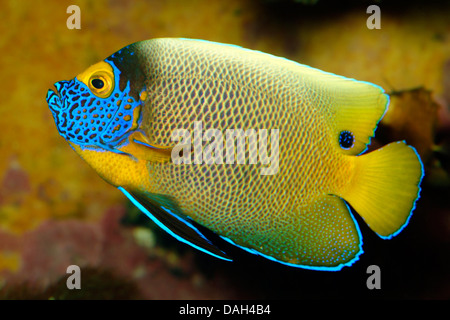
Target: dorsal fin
166,215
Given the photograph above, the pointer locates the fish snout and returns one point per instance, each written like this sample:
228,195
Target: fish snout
55,98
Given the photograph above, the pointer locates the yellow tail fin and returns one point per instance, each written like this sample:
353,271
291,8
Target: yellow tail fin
385,187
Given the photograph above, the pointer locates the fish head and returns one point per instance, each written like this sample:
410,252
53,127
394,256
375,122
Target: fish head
101,106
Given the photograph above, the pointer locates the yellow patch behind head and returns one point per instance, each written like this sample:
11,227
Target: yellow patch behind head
120,170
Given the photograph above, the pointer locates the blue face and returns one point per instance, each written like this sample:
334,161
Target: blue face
97,109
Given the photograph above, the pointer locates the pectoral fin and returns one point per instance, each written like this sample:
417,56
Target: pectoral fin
166,215
142,149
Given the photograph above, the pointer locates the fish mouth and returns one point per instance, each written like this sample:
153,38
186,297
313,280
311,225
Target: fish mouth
54,97
54,90
54,100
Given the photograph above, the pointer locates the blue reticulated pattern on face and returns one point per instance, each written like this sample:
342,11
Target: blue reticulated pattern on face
90,121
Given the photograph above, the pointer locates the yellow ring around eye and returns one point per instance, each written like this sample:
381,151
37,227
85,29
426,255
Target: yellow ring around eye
102,71
108,84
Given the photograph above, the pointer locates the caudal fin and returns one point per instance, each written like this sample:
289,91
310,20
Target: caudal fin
386,186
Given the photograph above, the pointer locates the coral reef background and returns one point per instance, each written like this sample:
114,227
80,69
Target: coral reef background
55,211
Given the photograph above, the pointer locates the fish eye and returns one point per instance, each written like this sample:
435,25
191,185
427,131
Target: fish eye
97,83
101,84
346,139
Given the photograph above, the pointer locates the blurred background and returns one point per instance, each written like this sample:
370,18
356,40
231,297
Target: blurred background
55,211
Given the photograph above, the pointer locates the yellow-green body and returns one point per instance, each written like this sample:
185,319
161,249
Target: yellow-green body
296,215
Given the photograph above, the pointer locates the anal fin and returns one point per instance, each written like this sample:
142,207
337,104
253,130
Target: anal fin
322,235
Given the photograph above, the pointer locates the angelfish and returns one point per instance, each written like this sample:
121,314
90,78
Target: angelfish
119,116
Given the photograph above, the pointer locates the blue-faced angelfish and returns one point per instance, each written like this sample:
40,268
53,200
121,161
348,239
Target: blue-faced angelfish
120,116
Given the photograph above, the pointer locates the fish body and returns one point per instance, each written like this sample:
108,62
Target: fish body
285,193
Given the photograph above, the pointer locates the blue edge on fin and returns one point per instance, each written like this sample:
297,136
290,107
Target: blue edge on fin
252,251
162,226
317,268
415,200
